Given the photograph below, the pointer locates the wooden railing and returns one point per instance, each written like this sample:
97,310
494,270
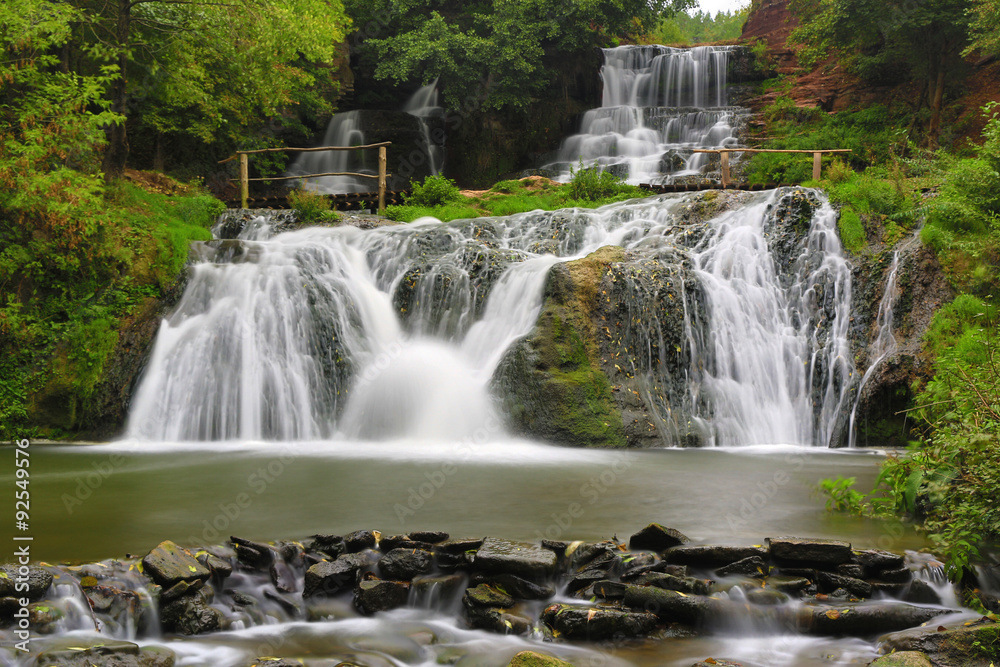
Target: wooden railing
724,158
245,167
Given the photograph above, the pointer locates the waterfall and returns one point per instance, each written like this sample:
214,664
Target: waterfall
736,325
658,103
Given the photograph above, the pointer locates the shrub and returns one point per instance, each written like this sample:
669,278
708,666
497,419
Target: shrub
434,191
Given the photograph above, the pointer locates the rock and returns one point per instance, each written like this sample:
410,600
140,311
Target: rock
404,564
532,659
429,536
377,595
597,623
902,659
109,653
168,564
833,552
519,588
190,615
487,596
655,537
360,540
253,555
430,591
754,566
921,592
39,581
829,582
952,646
712,555
862,619
332,577
670,606
874,559
523,560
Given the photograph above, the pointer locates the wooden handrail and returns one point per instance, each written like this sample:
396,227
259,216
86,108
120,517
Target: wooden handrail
245,168
724,157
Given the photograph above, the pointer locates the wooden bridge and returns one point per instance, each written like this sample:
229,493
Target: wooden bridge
357,197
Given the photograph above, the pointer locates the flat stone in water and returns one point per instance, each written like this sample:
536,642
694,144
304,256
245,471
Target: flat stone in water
524,560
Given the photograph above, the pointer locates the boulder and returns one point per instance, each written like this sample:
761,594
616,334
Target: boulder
332,577
597,623
828,552
376,595
404,564
168,564
655,537
524,560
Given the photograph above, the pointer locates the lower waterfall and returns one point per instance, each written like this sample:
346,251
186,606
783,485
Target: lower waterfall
397,331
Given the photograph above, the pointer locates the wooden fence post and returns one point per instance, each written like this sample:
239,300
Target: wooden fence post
244,182
381,180
724,156
817,166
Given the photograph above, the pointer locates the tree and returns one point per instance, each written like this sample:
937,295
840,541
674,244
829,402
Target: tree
496,47
213,69
919,40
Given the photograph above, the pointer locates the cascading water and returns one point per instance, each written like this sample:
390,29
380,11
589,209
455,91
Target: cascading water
658,103
398,331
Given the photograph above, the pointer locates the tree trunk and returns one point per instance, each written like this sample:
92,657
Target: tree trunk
117,152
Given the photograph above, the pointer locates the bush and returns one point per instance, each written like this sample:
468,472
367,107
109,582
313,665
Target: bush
434,191
312,206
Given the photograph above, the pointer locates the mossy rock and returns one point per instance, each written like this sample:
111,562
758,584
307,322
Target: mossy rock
532,659
551,381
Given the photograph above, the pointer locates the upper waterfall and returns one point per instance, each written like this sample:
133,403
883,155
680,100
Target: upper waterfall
658,103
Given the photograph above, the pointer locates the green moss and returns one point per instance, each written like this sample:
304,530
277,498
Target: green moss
852,232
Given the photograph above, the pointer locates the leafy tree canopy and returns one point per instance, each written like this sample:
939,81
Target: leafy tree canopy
491,50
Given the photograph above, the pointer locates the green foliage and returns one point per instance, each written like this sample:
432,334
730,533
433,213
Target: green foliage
699,27
490,55
593,184
434,191
312,206
852,232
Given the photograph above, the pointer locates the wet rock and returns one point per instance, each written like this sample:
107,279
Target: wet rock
898,576
921,592
437,588
519,588
754,566
360,540
404,564
39,581
487,596
832,552
830,582
863,619
655,537
903,659
168,564
523,560
331,545
377,595
429,536
670,606
190,615
109,653
180,589
253,555
331,577
949,646
533,659
597,623
874,559
712,555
